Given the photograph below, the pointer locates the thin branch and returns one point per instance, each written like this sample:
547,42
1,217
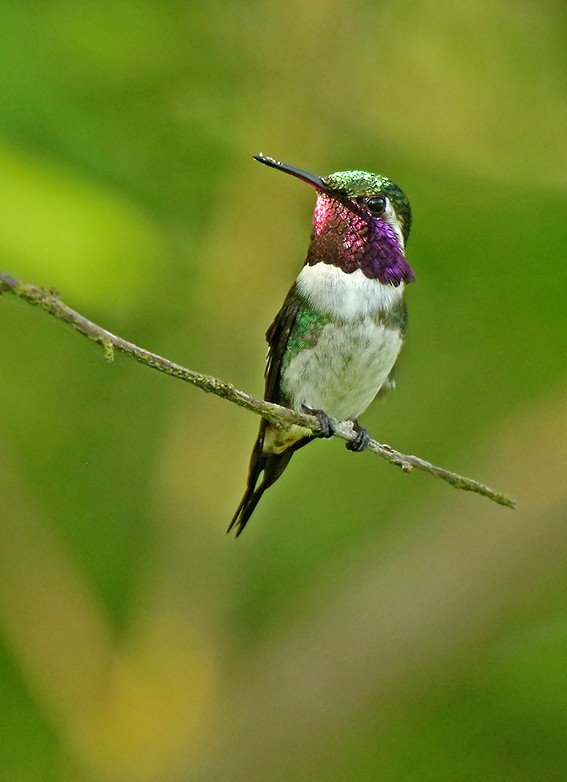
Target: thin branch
49,301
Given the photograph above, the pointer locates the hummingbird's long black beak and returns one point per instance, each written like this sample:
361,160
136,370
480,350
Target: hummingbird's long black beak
305,176
315,181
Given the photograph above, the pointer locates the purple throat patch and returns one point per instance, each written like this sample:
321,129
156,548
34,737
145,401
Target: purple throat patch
353,241
383,258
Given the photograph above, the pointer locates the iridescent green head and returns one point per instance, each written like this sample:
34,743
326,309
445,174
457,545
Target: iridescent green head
361,221
361,186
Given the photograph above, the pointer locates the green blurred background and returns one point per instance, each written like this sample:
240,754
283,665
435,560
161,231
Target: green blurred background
369,625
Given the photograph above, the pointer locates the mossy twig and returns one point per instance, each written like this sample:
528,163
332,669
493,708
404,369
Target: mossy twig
49,301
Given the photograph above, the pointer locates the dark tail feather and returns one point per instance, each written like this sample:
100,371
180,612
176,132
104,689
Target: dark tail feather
272,465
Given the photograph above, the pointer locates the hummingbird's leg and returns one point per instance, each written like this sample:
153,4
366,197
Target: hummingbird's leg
360,442
325,423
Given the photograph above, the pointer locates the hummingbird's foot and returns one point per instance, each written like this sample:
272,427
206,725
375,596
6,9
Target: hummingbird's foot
360,442
327,428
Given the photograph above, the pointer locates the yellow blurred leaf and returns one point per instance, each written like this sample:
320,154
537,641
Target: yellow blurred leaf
73,234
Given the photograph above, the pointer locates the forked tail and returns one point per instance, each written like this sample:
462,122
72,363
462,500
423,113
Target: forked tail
272,466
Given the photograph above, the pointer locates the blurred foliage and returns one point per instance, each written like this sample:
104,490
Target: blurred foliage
368,625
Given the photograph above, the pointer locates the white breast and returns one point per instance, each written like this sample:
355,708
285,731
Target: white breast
345,370
354,355
346,297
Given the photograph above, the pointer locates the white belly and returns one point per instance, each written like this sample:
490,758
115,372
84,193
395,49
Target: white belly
345,370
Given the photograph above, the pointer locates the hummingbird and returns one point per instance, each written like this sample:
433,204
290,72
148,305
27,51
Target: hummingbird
334,343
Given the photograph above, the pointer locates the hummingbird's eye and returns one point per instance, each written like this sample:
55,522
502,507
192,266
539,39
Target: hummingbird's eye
376,204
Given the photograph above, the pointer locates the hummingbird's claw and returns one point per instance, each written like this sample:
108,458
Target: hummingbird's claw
327,428
360,442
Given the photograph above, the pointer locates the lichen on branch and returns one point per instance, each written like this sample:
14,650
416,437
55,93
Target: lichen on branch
48,300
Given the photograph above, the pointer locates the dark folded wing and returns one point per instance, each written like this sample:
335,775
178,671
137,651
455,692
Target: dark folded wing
277,337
